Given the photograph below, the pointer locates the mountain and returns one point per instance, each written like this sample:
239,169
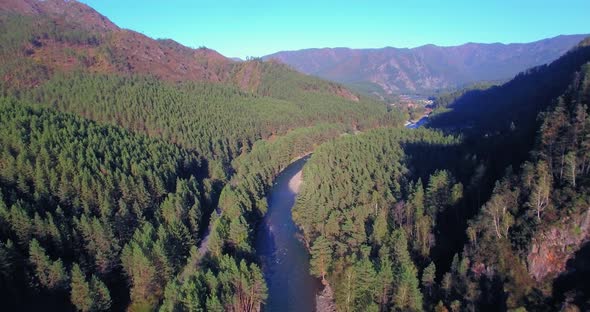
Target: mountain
427,68
41,38
68,35
66,11
134,174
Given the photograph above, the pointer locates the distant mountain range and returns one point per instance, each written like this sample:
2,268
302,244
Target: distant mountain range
428,68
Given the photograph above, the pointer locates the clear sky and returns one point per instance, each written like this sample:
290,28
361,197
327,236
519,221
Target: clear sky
240,28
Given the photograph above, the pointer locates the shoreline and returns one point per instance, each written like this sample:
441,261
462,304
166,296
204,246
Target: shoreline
296,181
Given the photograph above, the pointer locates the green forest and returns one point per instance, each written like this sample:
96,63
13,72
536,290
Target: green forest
78,201
369,218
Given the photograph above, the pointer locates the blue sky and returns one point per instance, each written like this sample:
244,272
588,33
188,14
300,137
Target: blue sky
254,28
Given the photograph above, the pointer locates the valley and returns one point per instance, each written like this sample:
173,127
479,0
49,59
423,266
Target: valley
140,174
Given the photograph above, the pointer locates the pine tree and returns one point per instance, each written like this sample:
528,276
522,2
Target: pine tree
541,189
385,279
571,170
321,258
93,296
428,276
406,295
80,293
100,295
8,261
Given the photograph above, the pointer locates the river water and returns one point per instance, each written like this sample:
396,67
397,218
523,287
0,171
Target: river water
418,123
285,260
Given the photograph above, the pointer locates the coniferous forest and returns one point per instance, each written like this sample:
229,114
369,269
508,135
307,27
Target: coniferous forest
134,176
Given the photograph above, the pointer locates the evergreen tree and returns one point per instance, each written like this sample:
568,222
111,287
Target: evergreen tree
49,274
406,294
81,295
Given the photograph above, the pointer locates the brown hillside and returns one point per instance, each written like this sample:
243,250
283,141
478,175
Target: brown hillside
66,35
115,50
66,10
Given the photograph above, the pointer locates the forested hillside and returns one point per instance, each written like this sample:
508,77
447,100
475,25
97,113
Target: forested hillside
43,38
528,241
218,121
113,162
219,118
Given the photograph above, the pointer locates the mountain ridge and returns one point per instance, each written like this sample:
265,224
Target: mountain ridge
426,68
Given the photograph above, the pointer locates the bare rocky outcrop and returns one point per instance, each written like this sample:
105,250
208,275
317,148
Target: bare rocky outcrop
324,301
344,93
553,247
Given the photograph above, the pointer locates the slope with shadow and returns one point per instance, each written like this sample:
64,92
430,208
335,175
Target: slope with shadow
527,246
515,104
499,124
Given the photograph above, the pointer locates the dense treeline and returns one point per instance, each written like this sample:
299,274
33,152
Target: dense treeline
513,258
368,219
84,205
220,122
253,101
